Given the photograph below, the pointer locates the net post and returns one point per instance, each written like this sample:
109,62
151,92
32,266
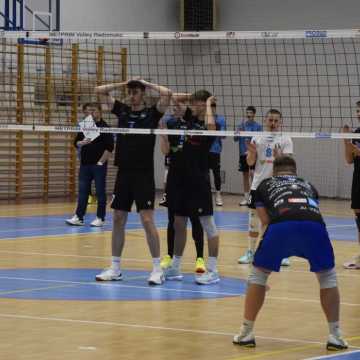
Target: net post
123,70
100,69
47,117
74,113
19,121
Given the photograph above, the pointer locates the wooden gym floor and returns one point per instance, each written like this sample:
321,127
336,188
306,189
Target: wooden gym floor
51,307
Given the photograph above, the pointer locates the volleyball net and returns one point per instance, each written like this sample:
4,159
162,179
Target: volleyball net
311,76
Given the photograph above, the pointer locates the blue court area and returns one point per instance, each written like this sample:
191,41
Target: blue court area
352,355
34,226
80,284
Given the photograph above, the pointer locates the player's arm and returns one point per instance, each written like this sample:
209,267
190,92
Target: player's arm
263,216
164,140
164,92
349,147
104,91
251,153
209,115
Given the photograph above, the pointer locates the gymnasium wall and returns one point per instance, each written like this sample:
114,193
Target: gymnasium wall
321,161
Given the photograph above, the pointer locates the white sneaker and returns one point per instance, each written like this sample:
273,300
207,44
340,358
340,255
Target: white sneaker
109,275
207,278
75,221
336,343
97,222
243,202
172,273
218,199
247,258
156,277
246,340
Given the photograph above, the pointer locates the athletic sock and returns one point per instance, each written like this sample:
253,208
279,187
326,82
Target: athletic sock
247,327
115,263
334,328
156,264
176,262
211,264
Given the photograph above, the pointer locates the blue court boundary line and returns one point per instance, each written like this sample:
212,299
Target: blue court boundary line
343,356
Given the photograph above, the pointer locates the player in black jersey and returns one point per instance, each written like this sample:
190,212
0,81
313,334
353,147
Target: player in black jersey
134,157
175,121
289,211
352,156
188,189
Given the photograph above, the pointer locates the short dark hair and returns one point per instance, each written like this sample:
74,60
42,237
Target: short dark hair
135,84
251,108
358,103
200,95
284,163
86,105
274,112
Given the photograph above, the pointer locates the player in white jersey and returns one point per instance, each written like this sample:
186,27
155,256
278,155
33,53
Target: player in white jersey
262,152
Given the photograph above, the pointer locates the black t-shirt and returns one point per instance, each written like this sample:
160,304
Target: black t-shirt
189,154
288,198
91,153
357,158
135,152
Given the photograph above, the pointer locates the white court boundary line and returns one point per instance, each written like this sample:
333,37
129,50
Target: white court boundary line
161,328
122,285
334,355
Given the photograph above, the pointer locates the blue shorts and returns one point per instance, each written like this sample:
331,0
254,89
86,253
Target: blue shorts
306,239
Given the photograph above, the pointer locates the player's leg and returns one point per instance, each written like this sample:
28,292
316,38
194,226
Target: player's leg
121,204
100,173
85,178
198,237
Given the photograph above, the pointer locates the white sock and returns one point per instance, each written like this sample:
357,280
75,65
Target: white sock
247,327
115,263
252,243
334,328
246,195
211,263
176,262
156,264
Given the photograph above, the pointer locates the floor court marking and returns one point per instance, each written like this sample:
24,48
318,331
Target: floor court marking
122,285
334,356
34,289
237,267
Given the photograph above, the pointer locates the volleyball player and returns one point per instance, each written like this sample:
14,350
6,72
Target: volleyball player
247,125
352,156
190,181
288,208
171,146
262,150
134,157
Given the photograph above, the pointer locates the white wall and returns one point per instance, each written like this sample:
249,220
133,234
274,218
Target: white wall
119,15
320,161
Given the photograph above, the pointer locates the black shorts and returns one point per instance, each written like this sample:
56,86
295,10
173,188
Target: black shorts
243,165
355,192
251,200
189,197
134,186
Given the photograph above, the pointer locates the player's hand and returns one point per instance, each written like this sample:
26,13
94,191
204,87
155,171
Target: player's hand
84,142
277,151
251,148
162,124
211,100
355,150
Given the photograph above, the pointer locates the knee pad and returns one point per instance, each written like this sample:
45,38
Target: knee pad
327,279
208,224
357,220
253,221
258,277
